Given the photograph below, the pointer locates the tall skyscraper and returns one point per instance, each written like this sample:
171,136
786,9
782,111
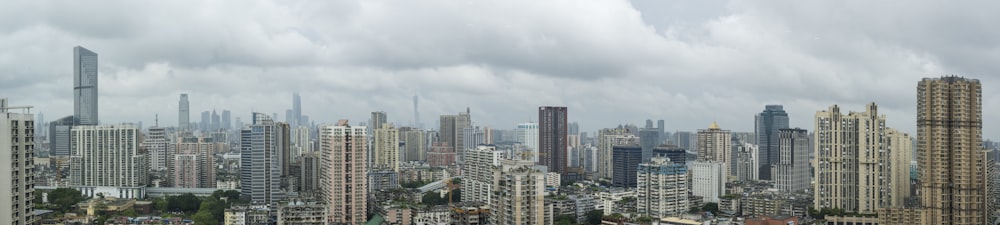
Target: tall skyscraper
649,138
226,122
951,161
108,156
767,125
746,162
855,162
662,188
184,113
343,174
452,127
607,139
378,118
415,145
260,165
206,121
84,86
17,144
216,121
386,148
791,172
715,145
416,114
552,142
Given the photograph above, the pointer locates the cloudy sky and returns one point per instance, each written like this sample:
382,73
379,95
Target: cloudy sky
610,62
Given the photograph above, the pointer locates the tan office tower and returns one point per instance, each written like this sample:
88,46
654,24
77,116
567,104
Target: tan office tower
715,145
343,173
607,139
857,162
17,141
951,162
386,148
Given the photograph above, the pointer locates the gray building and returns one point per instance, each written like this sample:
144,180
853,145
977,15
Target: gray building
675,154
17,144
183,113
626,160
767,125
260,165
791,172
84,86
59,132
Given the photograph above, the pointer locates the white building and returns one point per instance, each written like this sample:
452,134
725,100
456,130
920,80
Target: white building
478,173
707,180
606,199
552,179
527,135
17,134
746,162
662,188
107,157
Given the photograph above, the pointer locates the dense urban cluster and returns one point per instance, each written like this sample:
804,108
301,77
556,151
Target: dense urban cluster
848,168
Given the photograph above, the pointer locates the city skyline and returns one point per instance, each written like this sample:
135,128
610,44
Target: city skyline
676,63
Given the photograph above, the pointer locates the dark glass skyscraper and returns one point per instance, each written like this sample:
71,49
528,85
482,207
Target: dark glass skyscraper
626,160
84,86
767,125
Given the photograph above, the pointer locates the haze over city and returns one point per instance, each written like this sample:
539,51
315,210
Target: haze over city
610,62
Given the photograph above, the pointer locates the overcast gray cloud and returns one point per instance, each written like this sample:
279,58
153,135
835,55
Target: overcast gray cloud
611,62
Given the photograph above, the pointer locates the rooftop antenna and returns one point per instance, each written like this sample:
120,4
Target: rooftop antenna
156,120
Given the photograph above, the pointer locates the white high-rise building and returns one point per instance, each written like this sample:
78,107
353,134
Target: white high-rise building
527,135
662,188
478,173
707,180
155,143
386,147
746,162
343,174
108,156
791,172
17,141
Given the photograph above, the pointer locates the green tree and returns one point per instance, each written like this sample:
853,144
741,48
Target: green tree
204,217
65,198
644,220
187,203
711,207
594,217
565,219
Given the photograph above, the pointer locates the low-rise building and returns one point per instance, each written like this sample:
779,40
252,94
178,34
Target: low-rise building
298,212
435,215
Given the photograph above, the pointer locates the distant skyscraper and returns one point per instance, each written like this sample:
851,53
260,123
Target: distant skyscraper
226,122
951,161
260,165
791,172
206,121
552,142
216,121
573,128
416,114
296,110
452,127
84,86
527,135
662,188
855,162
649,138
686,140
184,113
16,143
59,136
715,145
344,172
415,145
767,124
378,118
108,156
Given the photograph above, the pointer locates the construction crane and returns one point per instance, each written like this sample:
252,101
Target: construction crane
451,190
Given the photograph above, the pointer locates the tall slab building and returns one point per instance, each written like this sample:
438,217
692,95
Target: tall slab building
715,145
452,127
260,165
767,125
183,113
791,172
856,162
17,141
951,161
552,142
107,156
84,86
344,172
